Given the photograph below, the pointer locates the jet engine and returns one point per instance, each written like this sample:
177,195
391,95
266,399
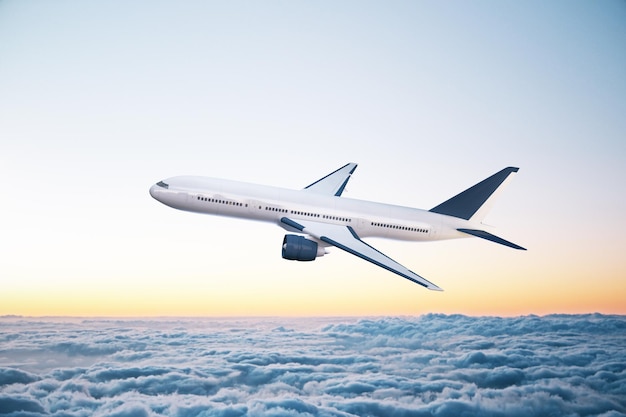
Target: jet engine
298,248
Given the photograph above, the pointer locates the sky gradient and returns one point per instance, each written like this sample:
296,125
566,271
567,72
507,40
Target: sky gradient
98,101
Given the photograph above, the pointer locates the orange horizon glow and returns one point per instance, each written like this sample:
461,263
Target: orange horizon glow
388,299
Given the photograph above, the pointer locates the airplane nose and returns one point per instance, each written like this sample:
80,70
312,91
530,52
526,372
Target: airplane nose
158,190
154,191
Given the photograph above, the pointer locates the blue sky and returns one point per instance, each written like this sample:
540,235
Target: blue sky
100,100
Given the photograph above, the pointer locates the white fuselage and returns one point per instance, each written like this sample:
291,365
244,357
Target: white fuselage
270,204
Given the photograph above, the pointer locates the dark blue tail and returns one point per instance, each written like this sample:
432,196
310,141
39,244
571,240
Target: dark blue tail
466,204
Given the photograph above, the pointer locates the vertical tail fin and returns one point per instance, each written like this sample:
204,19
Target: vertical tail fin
474,203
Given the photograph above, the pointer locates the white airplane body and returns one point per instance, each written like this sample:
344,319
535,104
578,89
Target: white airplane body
322,218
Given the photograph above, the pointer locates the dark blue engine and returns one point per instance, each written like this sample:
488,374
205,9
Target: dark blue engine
298,248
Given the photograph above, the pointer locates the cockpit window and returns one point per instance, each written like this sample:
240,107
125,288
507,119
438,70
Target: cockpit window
162,184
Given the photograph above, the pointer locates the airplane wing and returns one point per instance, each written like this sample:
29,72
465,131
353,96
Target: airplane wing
345,238
333,183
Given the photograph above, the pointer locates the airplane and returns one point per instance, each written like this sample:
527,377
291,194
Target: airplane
318,217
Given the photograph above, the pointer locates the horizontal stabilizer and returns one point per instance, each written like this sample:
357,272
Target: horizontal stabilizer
488,236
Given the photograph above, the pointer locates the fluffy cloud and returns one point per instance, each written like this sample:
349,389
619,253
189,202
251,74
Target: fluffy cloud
434,365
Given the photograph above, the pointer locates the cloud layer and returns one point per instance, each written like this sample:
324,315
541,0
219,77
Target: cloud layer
434,365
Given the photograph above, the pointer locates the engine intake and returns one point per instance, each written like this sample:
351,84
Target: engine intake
298,248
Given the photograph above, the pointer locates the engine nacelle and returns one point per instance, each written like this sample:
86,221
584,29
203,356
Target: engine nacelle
298,248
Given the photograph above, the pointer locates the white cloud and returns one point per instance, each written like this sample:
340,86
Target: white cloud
431,365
